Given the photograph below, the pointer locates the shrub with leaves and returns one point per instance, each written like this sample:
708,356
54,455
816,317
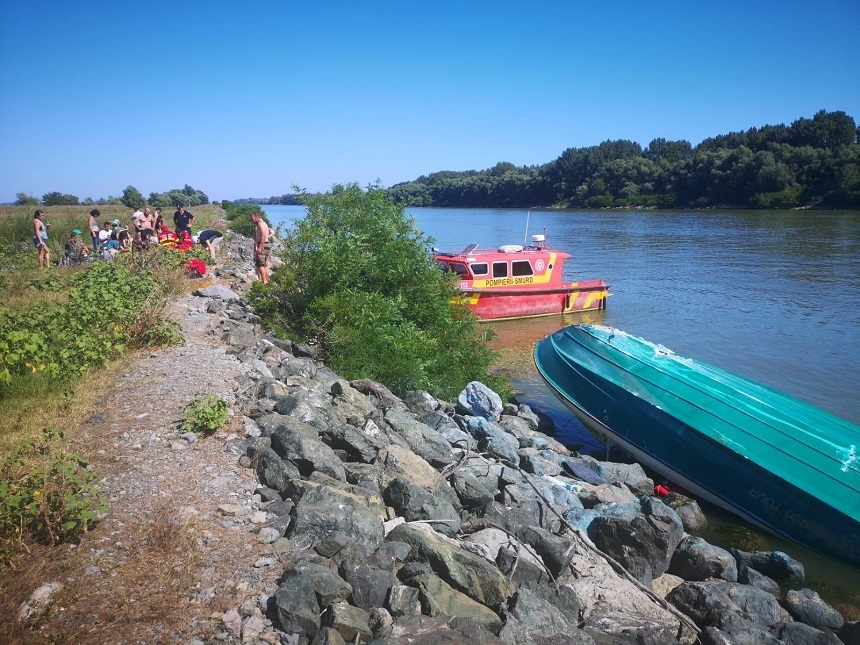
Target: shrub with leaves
205,414
357,278
46,494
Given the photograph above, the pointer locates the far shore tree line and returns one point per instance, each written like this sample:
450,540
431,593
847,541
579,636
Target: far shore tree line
131,197
811,163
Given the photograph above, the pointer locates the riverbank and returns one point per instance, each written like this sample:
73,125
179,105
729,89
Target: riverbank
412,519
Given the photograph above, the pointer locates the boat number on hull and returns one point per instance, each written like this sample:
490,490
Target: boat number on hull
776,508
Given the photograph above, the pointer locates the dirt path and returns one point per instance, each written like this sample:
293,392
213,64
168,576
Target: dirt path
178,552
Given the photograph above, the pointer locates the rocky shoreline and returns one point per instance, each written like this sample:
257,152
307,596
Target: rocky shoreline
416,520
421,520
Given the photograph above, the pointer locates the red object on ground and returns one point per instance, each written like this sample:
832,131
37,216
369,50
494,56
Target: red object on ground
195,268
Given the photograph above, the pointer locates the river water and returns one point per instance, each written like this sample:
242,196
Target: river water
772,295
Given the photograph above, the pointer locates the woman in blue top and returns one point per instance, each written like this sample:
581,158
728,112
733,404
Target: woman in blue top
40,239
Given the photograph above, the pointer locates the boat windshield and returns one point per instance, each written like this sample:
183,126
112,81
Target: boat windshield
456,267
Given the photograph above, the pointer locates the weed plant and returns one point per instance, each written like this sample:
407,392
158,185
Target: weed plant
47,495
205,414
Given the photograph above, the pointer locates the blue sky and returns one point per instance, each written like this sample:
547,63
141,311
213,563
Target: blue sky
242,99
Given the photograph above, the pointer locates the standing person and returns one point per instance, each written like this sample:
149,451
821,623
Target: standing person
144,225
158,221
40,239
182,220
136,213
262,246
210,239
93,223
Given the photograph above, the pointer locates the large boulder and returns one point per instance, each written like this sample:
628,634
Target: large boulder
370,585
325,510
473,575
808,607
415,503
478,400
396,461
358,444
272,471
529,619
696,559
642,537
296,605
328,585
774,564
299,444
438,597
426,442
352,623
608,626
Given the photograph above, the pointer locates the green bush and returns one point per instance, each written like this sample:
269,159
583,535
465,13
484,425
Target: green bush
205,414
46,494
357,279
239,217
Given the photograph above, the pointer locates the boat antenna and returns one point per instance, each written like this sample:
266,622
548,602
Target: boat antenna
526,236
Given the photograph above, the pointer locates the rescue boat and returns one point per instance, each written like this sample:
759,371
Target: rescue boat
517,281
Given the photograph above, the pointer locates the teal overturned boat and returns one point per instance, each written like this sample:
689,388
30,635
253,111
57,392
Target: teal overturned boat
778,462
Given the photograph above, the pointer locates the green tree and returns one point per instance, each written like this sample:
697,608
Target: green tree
357,279
59,199
22,199
131,197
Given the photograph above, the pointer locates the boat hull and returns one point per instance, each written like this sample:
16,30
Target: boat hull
694,449
502,304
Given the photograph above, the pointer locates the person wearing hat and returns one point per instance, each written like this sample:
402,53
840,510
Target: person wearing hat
76,250
210,239
182,220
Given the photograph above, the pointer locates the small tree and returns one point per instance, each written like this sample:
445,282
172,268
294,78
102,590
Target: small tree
358,279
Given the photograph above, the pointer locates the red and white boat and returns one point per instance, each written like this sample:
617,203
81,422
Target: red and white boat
515,281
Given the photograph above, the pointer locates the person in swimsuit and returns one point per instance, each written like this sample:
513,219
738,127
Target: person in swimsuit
40,239
262,246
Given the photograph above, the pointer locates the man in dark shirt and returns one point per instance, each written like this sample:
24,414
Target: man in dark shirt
210,239
183,220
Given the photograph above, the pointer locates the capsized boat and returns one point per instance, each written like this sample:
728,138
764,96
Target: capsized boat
778,462
516,281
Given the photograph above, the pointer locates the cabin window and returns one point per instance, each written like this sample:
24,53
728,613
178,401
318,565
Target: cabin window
458,267
479,268
443,266
521,267
500,269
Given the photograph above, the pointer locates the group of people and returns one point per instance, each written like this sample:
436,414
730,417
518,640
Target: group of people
112,237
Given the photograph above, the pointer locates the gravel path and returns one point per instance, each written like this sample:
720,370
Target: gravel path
177,558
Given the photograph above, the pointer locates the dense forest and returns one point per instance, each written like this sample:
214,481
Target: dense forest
811,163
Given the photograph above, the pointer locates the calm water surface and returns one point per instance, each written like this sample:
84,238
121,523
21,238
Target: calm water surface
774,296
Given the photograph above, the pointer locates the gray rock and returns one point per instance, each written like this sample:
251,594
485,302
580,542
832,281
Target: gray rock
358,445
389,555
807,606
794,633
756,605
273,471
327,636
291,366
539,462
478,400
521,570
327,510
483,431
632,475
299,445
471,491
688,510
500,449
749,576
527,616
415,503
555,551
404,600
328,585
352,623
420,402
438,597
642,539
728,606
422,439
439,630
381,622
465,571
219,292
696,559
774,564
607,625
370,586
296,605
310,407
